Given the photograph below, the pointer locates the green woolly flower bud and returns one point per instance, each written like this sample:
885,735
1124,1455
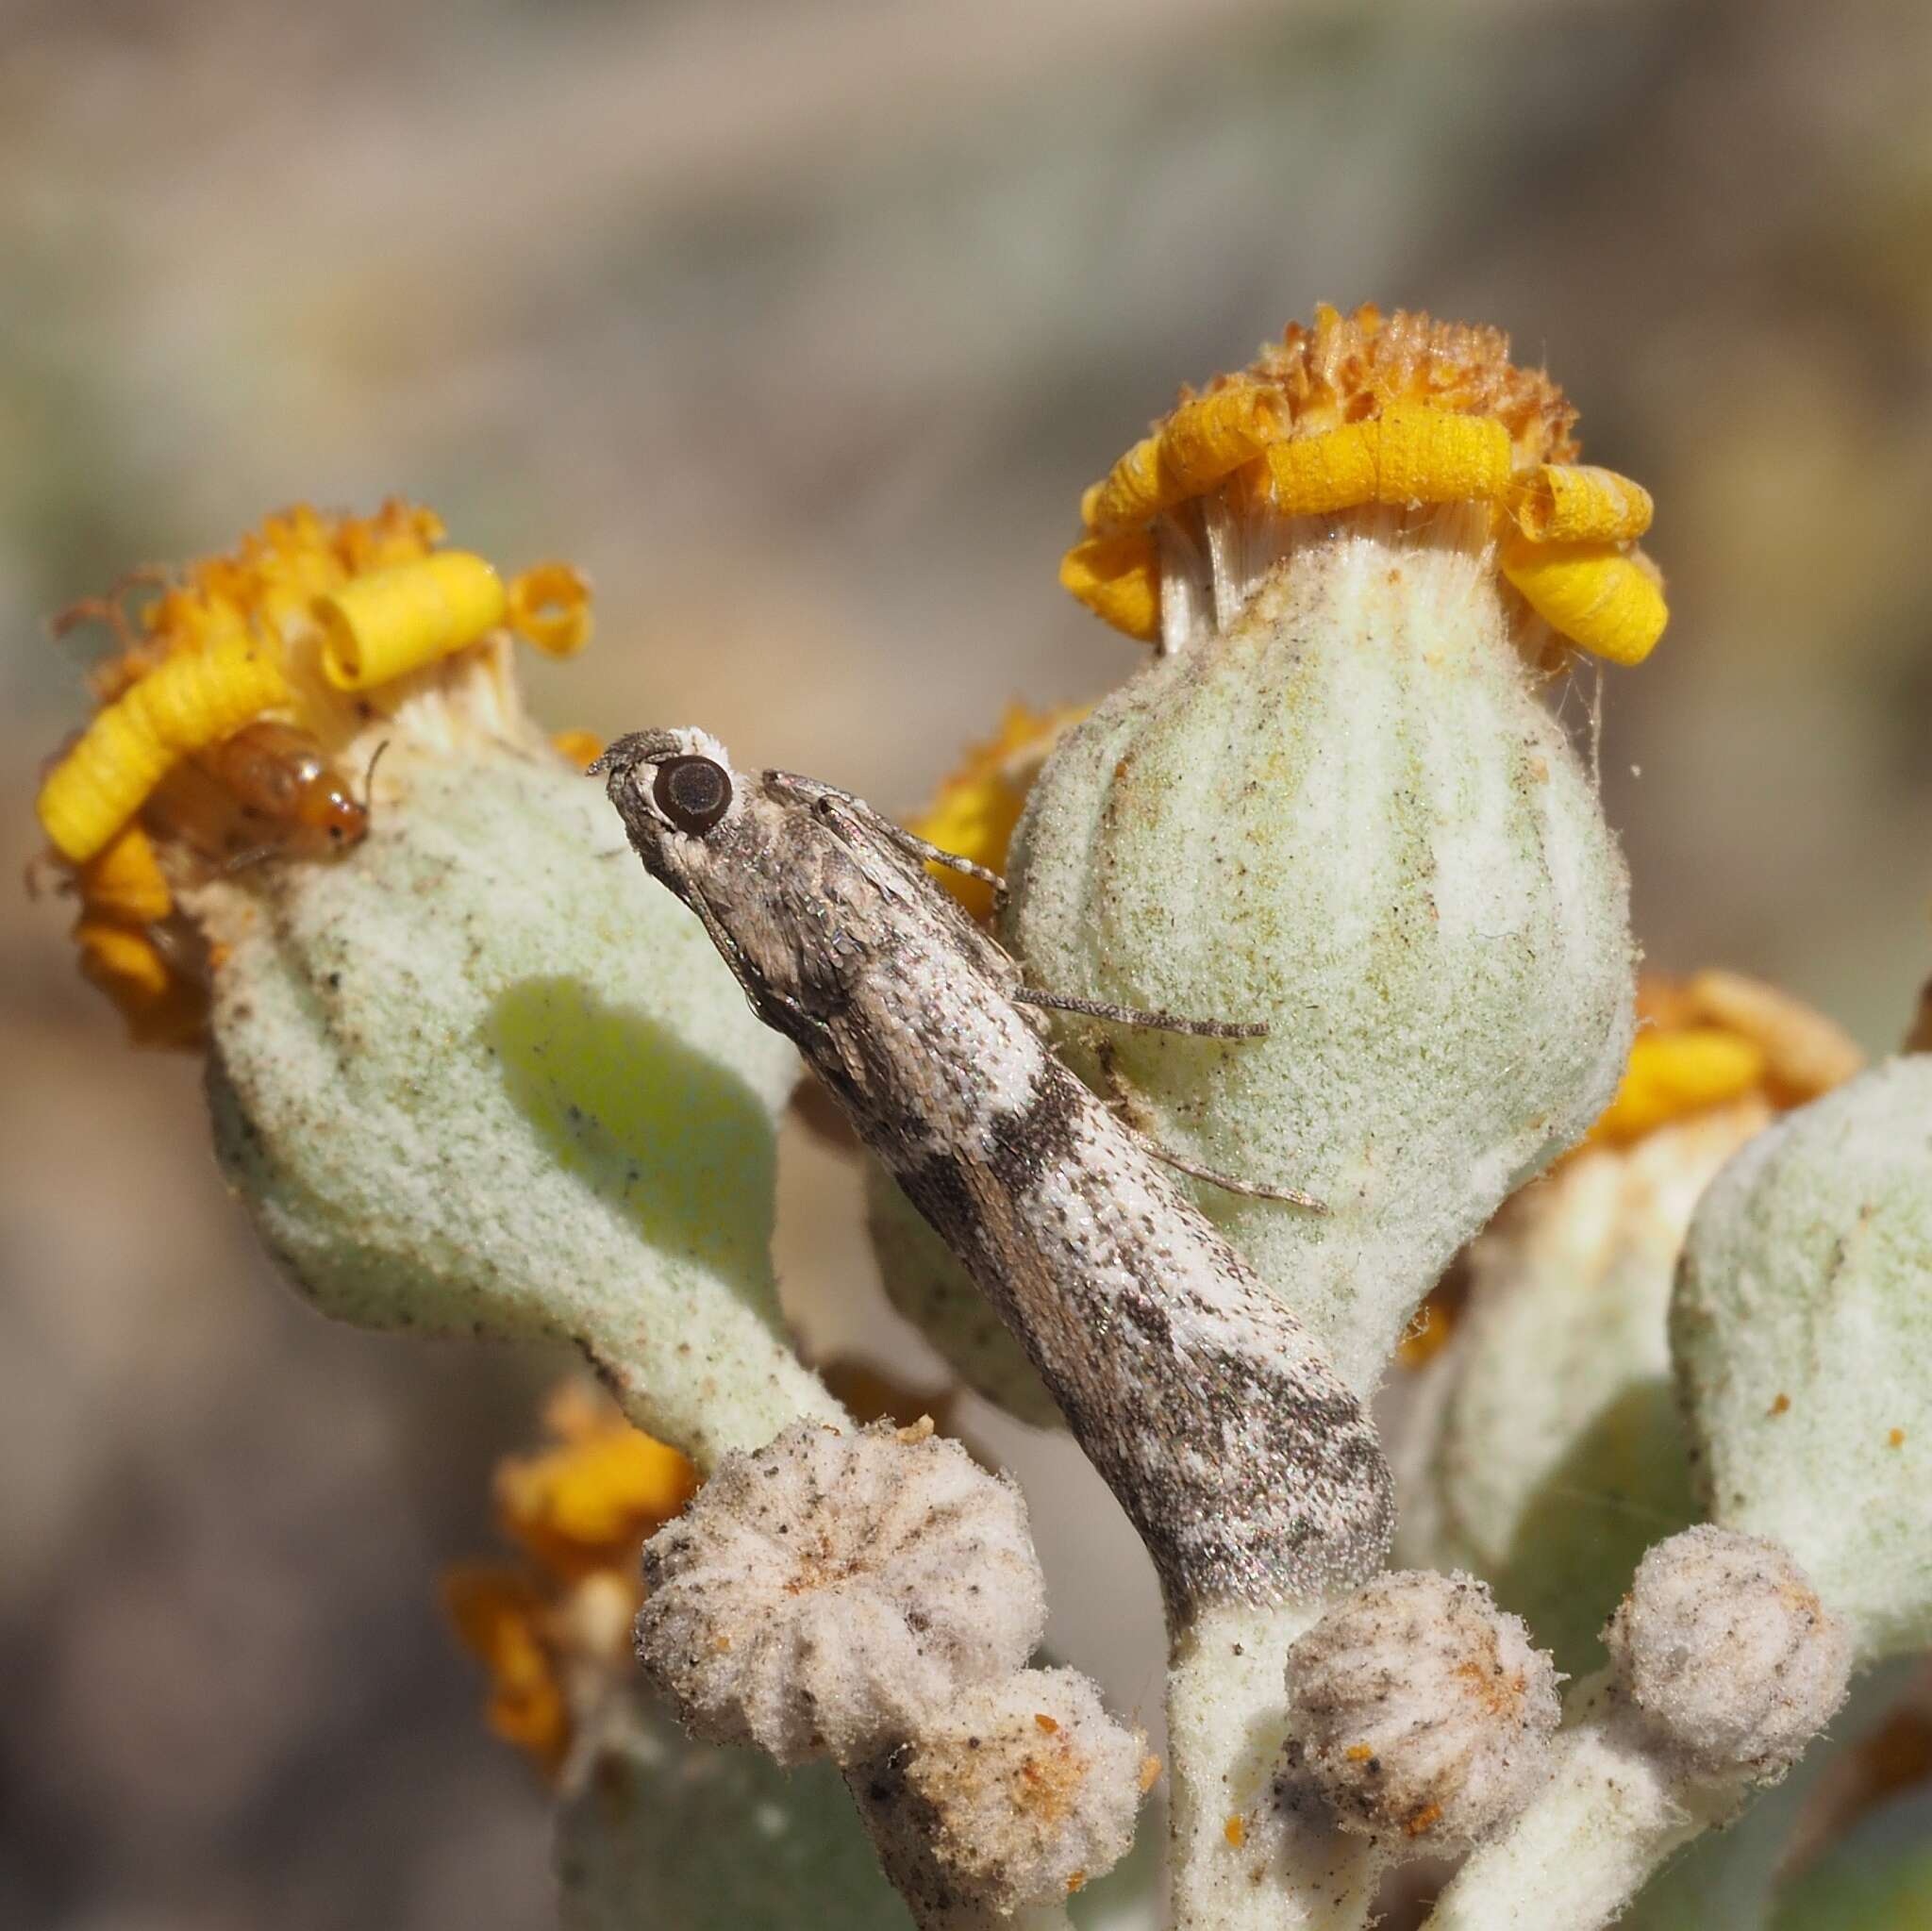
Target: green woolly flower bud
474,1079
1337,802
1341,809
1802,1331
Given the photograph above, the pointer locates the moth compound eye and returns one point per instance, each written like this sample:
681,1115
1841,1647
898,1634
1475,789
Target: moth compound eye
693,793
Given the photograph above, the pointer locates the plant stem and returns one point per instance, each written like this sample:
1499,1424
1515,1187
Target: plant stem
1610,1816
1232,1865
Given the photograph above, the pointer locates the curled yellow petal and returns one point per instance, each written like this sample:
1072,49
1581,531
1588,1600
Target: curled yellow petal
1215,434
126,962
550,604
1805,1052
124,882
163,1005
190,701
499,1618
576,747
1410,454
1322,474
391,622
1595,594
1133,491
1574,503
1673,1073
978,803
1205,439
1427,454
1117,578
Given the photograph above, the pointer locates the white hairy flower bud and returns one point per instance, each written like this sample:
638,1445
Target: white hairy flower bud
1015,1794
1803,1348
1420,1709
824,1594
1725,1650
1342,809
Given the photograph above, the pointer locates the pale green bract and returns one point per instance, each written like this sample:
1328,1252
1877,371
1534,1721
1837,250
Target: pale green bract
658,1834
1802,1331
484,1076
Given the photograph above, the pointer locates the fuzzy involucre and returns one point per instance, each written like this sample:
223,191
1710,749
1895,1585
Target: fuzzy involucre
1015,1794
824,1595
1802,1332
1348,812
1419,1710
1725,1652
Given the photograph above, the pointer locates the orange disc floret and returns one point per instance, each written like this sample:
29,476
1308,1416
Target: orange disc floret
499,1616
1398,411
1716,1037
589,1502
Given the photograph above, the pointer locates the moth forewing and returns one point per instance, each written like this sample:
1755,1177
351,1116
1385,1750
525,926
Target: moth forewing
1247,1465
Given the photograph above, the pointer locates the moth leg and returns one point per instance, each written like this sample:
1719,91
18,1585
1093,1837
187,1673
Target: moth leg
1121,1098
907,840
1127,1015
1252,1190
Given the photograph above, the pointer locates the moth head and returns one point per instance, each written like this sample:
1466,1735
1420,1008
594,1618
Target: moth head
670,787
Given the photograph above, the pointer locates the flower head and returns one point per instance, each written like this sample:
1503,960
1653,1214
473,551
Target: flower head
467,1076
231,718
1018,1792
1335,802
825,1593
1725,1654
1551,1485
1363,410
1418,1708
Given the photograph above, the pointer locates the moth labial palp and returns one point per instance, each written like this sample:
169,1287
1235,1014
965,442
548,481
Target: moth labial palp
1246,1463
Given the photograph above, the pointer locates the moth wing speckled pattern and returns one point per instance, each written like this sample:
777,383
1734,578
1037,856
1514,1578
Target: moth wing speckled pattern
1245,1462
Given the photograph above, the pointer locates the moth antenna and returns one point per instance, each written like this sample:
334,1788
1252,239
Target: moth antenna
1153,1022
907,840
1121,1098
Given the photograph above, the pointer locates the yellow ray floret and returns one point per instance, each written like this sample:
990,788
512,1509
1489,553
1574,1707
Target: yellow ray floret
124,882
181,706
978,803
1117,578
1574,503
589,1503
550,604
576,747
1674,1073
1596,594
1206,437
380,627
1411,452
500,1617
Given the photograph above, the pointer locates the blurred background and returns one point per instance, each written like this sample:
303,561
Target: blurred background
801,326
